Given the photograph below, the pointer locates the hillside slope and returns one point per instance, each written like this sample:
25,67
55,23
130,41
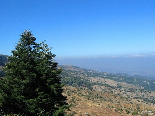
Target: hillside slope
119,94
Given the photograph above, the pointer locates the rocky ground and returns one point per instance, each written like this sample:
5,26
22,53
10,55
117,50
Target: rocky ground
86,103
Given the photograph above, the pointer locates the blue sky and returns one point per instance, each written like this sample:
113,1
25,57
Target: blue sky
80,28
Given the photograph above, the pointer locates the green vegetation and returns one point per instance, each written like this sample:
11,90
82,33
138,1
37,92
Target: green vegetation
148,84
107,82
32,85
69,79
127,111
135,113
33,80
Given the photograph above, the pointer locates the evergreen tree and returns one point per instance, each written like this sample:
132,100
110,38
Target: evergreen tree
32,86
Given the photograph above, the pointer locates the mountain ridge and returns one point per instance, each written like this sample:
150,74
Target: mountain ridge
143,66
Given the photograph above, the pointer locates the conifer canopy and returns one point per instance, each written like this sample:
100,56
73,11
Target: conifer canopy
32,85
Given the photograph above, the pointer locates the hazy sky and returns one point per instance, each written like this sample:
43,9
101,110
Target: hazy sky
81,27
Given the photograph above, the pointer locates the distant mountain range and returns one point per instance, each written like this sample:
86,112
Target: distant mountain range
143,65
132,65
3,59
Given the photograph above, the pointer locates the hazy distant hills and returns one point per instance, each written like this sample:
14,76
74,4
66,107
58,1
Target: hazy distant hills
3,59
133,65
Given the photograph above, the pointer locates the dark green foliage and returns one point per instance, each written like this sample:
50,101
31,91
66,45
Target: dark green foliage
77,81
32,86
73,80
135,113
127,111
